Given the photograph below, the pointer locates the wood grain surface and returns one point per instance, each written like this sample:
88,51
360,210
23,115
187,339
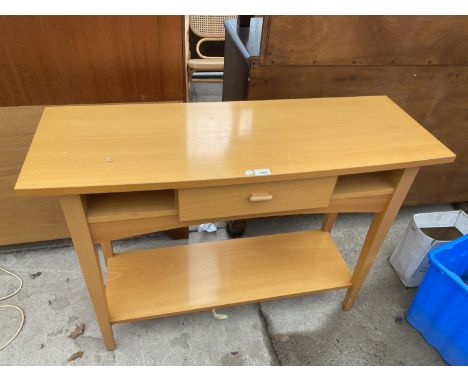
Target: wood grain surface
128,206
222,201
47,60
367,40
55,60
188,278
362,185
23,219
175,145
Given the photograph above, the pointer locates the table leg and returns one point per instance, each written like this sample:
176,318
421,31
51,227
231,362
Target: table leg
107,250
378,229
73,207
328,221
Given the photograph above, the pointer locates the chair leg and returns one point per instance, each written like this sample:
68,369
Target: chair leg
106,247
236,228
189,84
178,233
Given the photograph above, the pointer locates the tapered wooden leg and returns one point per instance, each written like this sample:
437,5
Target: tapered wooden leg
328,221
106,247
178,233
378,229
73,207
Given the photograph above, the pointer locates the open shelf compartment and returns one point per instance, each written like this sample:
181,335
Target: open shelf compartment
179,279
363,185
102,208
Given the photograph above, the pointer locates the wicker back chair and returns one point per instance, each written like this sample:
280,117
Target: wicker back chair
208,28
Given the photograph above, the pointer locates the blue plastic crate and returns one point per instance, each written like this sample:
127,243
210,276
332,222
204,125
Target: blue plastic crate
439,310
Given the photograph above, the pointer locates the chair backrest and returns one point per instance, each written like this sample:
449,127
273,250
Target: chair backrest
209,26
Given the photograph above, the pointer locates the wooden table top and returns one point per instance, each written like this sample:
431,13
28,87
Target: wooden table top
130,147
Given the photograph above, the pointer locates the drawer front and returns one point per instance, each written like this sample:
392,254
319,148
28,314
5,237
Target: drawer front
257,198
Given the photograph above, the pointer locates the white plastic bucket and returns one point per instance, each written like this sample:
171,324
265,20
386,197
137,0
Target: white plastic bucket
409,259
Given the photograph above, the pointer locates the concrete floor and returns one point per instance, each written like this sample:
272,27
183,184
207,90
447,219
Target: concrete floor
206,92
311,330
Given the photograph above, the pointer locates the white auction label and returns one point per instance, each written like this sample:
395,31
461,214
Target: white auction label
262,171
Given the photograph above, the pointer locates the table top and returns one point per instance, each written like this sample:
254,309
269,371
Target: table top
131,147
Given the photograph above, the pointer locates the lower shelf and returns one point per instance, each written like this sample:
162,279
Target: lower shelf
173,280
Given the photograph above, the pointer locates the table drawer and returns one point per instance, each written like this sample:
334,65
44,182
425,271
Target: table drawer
257,198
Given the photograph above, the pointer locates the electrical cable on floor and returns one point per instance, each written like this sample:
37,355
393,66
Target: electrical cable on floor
12,307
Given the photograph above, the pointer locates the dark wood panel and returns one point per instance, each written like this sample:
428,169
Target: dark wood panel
48,60
367,40
437,97
23,219
242,50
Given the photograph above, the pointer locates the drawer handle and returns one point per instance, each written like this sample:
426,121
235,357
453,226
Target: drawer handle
260,197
